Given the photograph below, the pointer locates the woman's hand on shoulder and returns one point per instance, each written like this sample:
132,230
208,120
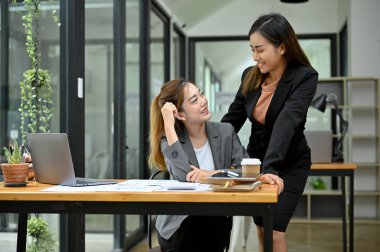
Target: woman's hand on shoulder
196,174
272,179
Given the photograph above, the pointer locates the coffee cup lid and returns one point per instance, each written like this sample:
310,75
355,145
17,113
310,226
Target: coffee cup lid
250,161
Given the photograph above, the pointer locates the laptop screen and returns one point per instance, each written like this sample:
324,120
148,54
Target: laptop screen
51,156
320,143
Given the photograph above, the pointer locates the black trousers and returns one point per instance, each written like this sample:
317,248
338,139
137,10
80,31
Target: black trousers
199,233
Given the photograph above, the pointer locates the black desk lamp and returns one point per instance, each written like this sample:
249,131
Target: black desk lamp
320,103
294,1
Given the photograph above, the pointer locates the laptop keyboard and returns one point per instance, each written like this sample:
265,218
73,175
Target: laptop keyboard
88,181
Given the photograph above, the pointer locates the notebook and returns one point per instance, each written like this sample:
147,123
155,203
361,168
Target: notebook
320,143
52,161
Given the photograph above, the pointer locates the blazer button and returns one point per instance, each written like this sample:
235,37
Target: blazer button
174,154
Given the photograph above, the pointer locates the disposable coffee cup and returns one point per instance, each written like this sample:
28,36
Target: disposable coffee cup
250,165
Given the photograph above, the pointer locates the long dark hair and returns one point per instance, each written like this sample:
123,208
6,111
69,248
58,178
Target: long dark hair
277,30
172,91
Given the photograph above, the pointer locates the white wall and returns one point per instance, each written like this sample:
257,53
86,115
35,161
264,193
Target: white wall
364,38
343,10
315,16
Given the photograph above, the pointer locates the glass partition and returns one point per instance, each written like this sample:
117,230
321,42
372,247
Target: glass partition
98,93
218,69
178,69
175,56
319,53
133,102
99,104
156,54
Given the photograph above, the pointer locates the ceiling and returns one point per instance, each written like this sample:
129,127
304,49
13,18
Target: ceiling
190,13
227,58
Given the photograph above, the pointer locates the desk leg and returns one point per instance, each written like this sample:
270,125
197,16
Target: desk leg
344,215
351,209
268,229
21,233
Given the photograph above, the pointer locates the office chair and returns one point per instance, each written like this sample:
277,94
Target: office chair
158,248
239,223
100,165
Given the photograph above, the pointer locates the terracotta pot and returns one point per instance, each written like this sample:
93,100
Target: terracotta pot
30,172
15,174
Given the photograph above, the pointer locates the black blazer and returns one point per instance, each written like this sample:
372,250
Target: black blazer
280,144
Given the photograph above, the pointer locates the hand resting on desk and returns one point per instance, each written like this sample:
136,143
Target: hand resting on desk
196,174
272,179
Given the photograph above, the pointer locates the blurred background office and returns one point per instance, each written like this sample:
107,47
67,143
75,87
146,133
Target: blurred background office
125,49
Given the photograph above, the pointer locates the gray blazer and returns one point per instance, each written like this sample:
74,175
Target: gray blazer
226,150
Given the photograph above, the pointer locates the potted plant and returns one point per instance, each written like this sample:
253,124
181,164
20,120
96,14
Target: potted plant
15,171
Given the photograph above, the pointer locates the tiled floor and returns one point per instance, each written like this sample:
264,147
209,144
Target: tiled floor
300,237
312,238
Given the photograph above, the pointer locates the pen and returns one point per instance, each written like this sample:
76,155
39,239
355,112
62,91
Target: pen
232,173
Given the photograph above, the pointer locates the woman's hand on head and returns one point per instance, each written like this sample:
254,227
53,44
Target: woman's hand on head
272,179
196,174
169,111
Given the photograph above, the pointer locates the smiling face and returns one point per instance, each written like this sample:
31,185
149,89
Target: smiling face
270,59
195,105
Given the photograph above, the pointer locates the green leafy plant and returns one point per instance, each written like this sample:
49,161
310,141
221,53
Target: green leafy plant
13,154
318,184
41,237
36,105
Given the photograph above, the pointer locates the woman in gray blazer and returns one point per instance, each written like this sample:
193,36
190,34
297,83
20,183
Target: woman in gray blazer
185,143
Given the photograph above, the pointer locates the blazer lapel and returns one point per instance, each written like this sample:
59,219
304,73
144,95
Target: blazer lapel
252,98
278,99
188,147
214,141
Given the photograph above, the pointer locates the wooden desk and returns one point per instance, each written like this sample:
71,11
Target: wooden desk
342,170
30,199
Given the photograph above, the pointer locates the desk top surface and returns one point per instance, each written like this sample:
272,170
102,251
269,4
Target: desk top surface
334,166
32,192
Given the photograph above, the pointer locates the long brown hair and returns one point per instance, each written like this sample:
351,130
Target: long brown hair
171,91
277,30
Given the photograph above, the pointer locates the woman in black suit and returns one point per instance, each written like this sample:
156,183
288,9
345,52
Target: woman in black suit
275,96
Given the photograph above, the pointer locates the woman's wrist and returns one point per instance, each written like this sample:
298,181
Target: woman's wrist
169,126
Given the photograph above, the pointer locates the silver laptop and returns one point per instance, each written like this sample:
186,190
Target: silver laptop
320,143
52,161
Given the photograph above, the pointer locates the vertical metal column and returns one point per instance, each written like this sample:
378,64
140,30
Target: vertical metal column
22,232
182,51
144,84
72,233
168,38
4,73
119,138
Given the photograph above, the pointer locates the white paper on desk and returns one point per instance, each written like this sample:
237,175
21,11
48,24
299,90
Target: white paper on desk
132,189
188,188
99,188
166,185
